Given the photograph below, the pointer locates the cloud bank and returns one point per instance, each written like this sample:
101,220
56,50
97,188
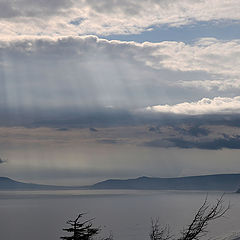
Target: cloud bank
67,17
85,72
207,144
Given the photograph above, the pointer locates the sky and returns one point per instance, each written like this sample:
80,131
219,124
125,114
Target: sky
91,90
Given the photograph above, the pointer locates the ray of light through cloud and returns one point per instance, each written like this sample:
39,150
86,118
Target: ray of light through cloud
118,84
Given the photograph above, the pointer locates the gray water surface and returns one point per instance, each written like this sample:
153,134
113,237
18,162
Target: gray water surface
41,215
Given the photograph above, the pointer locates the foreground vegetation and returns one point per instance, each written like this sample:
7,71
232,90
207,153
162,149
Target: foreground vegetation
84,230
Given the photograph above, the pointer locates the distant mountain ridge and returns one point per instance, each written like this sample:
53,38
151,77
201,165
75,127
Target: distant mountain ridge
10,184
217,182
223,182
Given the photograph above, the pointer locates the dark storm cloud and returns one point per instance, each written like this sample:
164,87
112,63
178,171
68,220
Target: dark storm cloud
230,142
193,131
63,119
214,144
195,122
190,130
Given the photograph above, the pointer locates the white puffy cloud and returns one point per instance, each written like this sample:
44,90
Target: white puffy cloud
67,17
203,55
207,54
217,105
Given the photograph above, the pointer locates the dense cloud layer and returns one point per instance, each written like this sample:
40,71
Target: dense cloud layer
108,16
207,144
91,73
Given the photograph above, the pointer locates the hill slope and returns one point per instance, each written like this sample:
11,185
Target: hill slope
9,184
223,182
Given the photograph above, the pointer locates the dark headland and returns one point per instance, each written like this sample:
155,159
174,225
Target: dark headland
218,182
10,184
223,182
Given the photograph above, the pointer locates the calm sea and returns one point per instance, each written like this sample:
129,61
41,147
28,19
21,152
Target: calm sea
41,215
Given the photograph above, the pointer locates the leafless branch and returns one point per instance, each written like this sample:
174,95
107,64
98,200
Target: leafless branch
204,215
157,232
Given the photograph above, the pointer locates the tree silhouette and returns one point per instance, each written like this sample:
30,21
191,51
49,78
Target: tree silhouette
159,233
80,230
197,228
204,215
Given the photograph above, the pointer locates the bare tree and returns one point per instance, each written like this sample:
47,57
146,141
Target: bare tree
157,232
204,215
197,229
